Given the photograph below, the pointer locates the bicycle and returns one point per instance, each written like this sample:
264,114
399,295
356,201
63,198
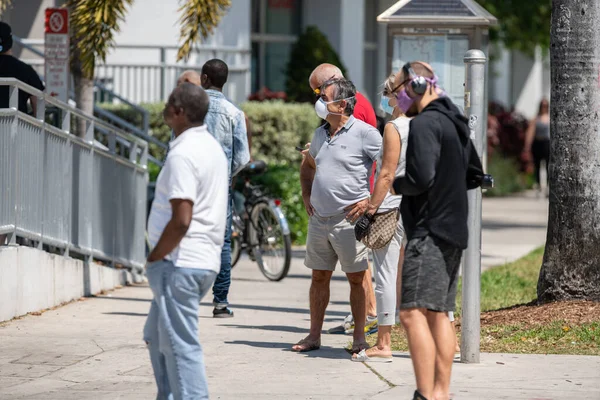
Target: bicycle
262,229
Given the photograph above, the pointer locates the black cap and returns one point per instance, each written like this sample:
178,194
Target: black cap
6,40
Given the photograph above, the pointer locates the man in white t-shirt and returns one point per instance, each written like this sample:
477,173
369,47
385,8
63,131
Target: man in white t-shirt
186,229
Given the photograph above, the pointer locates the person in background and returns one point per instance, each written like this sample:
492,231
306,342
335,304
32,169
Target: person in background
440,158
227,124
537,142
335,190
391,163
186,228
363,111
11,67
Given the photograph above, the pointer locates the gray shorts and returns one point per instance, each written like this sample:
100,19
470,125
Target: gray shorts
430,274
331,240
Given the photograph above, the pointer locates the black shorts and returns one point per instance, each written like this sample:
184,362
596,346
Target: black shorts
430,274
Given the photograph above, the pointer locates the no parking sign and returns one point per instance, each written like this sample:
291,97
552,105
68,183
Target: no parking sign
57,53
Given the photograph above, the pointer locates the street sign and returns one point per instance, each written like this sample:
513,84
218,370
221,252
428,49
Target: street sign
56,46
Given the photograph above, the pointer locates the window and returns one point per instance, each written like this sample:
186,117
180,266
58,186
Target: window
275,26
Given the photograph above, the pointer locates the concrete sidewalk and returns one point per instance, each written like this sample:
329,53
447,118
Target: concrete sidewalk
512,227
92,349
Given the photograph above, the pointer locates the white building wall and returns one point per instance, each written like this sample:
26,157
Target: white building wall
153,26
500,77
528,83
326,16
352,38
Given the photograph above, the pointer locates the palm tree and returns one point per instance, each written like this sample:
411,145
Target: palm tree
95,22
571,267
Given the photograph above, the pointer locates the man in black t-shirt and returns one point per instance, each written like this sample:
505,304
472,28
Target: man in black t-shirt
11,67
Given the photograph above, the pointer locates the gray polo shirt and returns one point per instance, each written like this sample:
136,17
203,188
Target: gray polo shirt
343,166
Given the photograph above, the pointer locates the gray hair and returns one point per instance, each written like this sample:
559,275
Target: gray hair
343,89
192,99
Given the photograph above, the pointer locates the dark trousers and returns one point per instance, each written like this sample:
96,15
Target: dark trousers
540,150
223,281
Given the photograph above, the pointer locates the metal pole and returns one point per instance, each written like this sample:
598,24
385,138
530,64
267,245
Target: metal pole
475,66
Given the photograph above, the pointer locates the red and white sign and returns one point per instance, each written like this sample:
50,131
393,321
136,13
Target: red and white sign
57,53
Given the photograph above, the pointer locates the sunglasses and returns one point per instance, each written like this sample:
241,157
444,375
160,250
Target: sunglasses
318,91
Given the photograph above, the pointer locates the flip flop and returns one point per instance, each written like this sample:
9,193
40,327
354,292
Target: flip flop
307,345
363,357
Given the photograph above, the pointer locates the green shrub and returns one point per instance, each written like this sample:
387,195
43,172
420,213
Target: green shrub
311,49
507,177
283,182
158,128
277,128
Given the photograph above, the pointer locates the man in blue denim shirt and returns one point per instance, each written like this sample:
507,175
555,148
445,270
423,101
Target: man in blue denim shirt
227,124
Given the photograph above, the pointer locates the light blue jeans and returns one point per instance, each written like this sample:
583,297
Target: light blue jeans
171,330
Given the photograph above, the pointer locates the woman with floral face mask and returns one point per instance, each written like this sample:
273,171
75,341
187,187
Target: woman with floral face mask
390,164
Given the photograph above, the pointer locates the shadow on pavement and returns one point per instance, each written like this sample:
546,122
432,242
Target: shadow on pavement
278,309
333,278
120,298
323,352
128,314
278,328
496,225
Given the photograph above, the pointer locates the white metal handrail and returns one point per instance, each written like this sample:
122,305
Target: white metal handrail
69,192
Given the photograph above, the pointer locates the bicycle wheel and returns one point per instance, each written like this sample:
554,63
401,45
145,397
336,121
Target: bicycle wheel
237,229
274,247
236,250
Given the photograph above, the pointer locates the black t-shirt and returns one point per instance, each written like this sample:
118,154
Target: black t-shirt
11,67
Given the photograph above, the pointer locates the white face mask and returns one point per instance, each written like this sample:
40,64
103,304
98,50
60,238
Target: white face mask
321,107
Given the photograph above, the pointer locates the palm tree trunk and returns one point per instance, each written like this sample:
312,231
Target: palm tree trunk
571,267
84,93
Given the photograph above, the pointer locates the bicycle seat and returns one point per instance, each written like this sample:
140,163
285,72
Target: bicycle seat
254,168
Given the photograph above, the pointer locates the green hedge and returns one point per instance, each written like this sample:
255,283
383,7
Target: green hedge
277,127
507,177
283,182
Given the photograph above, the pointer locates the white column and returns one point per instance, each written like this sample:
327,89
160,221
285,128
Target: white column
501,77
352,39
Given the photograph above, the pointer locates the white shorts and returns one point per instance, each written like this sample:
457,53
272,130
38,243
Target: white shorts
331,240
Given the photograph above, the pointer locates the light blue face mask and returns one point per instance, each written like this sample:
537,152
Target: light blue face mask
385,105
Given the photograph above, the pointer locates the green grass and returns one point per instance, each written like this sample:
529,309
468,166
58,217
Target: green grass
509,284
557,337
514,284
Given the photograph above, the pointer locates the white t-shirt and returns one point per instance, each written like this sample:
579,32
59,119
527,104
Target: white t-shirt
196,169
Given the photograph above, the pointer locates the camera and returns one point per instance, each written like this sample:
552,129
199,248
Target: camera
487,181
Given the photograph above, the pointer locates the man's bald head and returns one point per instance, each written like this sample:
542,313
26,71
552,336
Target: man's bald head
189,76
322,74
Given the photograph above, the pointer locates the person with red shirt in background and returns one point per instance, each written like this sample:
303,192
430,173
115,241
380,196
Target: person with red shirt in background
363,110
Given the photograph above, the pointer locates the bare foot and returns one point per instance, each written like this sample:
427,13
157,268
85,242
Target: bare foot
307,344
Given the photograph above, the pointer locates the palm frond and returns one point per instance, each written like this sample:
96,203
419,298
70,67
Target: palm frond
4,4
93,27
198,20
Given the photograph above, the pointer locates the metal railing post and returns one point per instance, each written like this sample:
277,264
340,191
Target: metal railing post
41,115
13,102
163,60
475,66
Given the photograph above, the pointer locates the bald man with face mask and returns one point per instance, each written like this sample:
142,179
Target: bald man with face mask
363,110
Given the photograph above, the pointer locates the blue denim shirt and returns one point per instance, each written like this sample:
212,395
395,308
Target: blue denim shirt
227,124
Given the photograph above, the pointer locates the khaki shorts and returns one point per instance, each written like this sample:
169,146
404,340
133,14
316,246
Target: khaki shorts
331,240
